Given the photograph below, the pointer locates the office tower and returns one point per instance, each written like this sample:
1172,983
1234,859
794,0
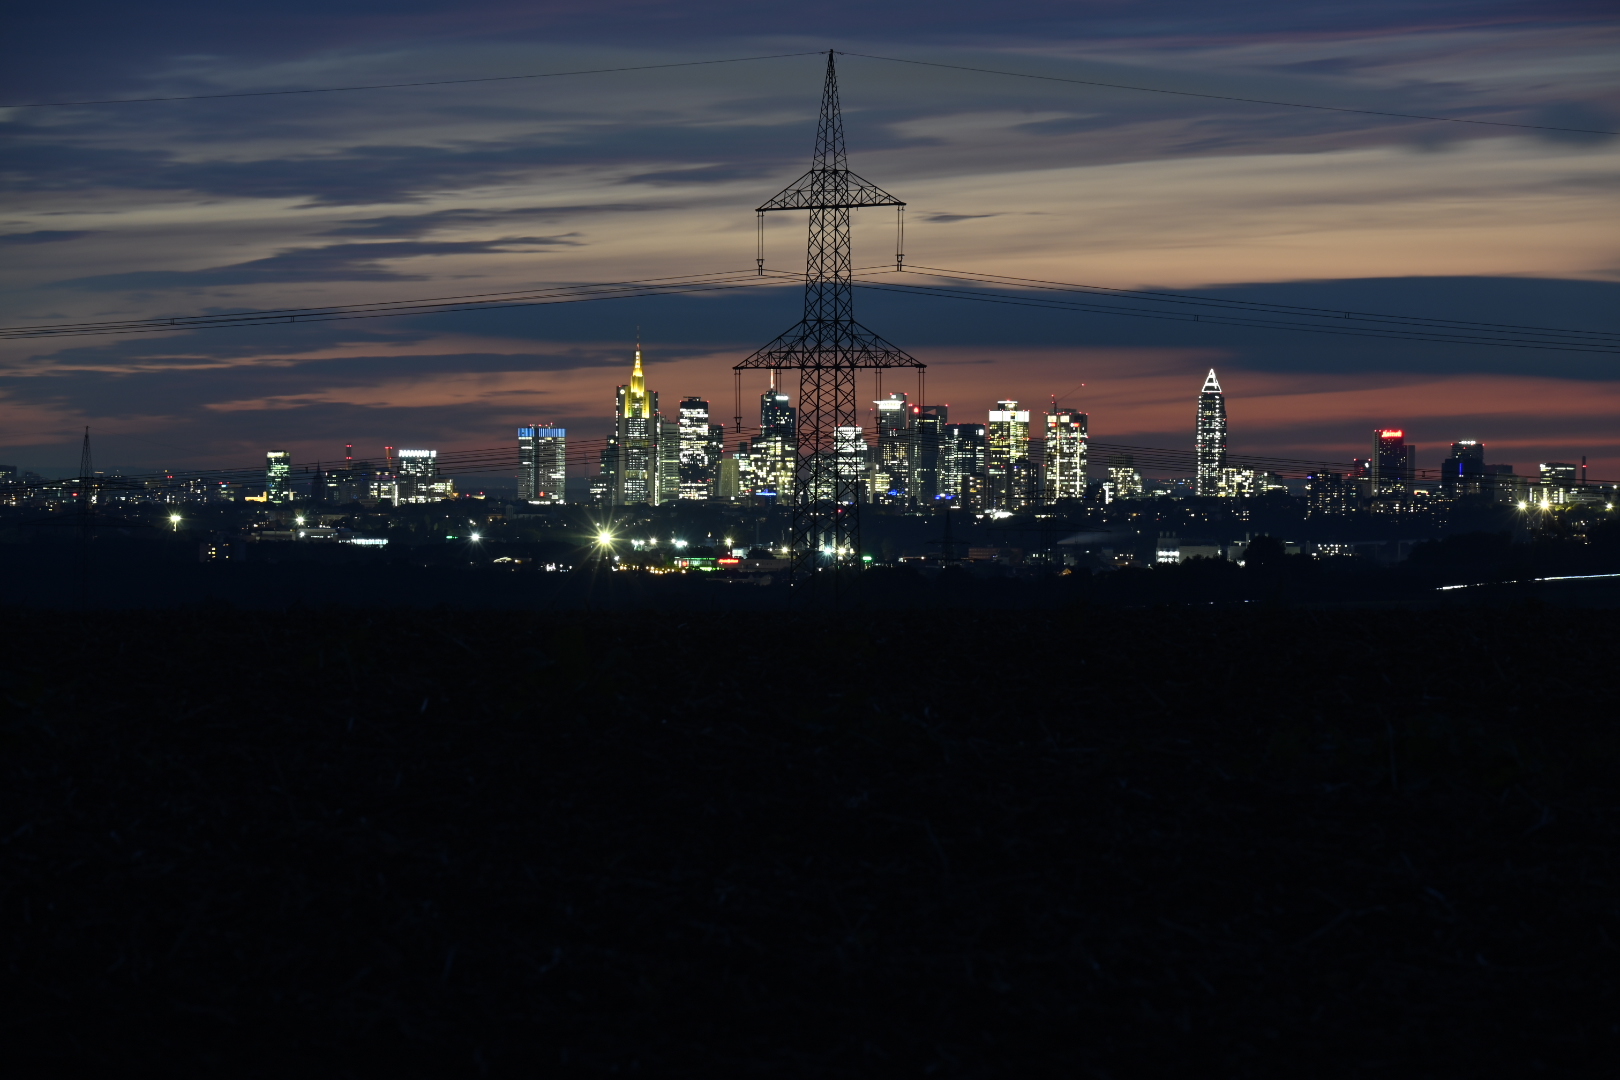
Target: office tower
928,434
1462,473
1006,456
1562,473
1391,464
1065,455
543,465
669,461
278,476
892,466
962,464
715,449
1328,494
699,465
417,478
635,441
852,456
775,453
729,481
1124,480
1210,437
605,484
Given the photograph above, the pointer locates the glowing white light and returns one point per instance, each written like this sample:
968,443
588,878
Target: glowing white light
475,537
604,538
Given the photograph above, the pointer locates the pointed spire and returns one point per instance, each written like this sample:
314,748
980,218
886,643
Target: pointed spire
1212,385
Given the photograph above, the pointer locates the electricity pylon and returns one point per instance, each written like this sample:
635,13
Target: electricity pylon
828,347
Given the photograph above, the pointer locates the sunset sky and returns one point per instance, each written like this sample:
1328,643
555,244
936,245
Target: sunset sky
187,207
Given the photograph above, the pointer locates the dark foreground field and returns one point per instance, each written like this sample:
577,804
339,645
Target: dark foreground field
1072,843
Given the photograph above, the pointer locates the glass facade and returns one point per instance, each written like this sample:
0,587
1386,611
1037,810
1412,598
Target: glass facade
1210,437
543,465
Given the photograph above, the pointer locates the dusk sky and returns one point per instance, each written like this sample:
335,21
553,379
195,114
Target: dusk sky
188,207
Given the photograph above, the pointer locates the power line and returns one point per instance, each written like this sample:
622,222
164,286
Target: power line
395,86
1231,97
560,294
1438,335
1194,299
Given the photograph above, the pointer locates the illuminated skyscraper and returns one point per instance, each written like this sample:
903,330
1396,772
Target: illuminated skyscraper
928,441
542,465
699,466
892,469
962,464
417,478
1124,479
852,454
635,441
278,476
669,461
1210,437
1391,463
1065,455
1006,458
1464,471
774,455
1327,494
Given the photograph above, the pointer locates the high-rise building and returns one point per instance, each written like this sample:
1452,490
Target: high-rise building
1462,473
774,455
1391,465
1124,480
699,465
669,461
852,455
277,476
1210,436
417,478
928,434
635,438
1007,465
543,465
1328,495
1065,455
894,461
962,465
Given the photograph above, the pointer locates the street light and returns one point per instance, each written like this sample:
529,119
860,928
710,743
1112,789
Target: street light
174,520
604,538
475,537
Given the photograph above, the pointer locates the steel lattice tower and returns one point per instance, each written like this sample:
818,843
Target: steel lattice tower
827,347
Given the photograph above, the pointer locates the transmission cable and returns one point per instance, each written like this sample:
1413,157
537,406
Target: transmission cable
395,86
1229,97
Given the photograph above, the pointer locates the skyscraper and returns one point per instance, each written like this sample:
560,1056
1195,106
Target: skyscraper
542,464
1210,437
418,479
774,455
277,476
962,465
892,469
1463,472
1124,478
852,454
1006,457
927,440
1391,463
1065,455
635,441
1328,495
699,468
669,461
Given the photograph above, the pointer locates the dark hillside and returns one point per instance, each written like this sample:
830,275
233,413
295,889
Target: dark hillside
1004,843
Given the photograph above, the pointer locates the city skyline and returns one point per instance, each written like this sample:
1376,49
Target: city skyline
648,173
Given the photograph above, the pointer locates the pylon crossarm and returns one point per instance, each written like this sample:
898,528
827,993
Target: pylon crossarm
828,189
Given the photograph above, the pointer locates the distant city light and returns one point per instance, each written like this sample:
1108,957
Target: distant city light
604,538
475,537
